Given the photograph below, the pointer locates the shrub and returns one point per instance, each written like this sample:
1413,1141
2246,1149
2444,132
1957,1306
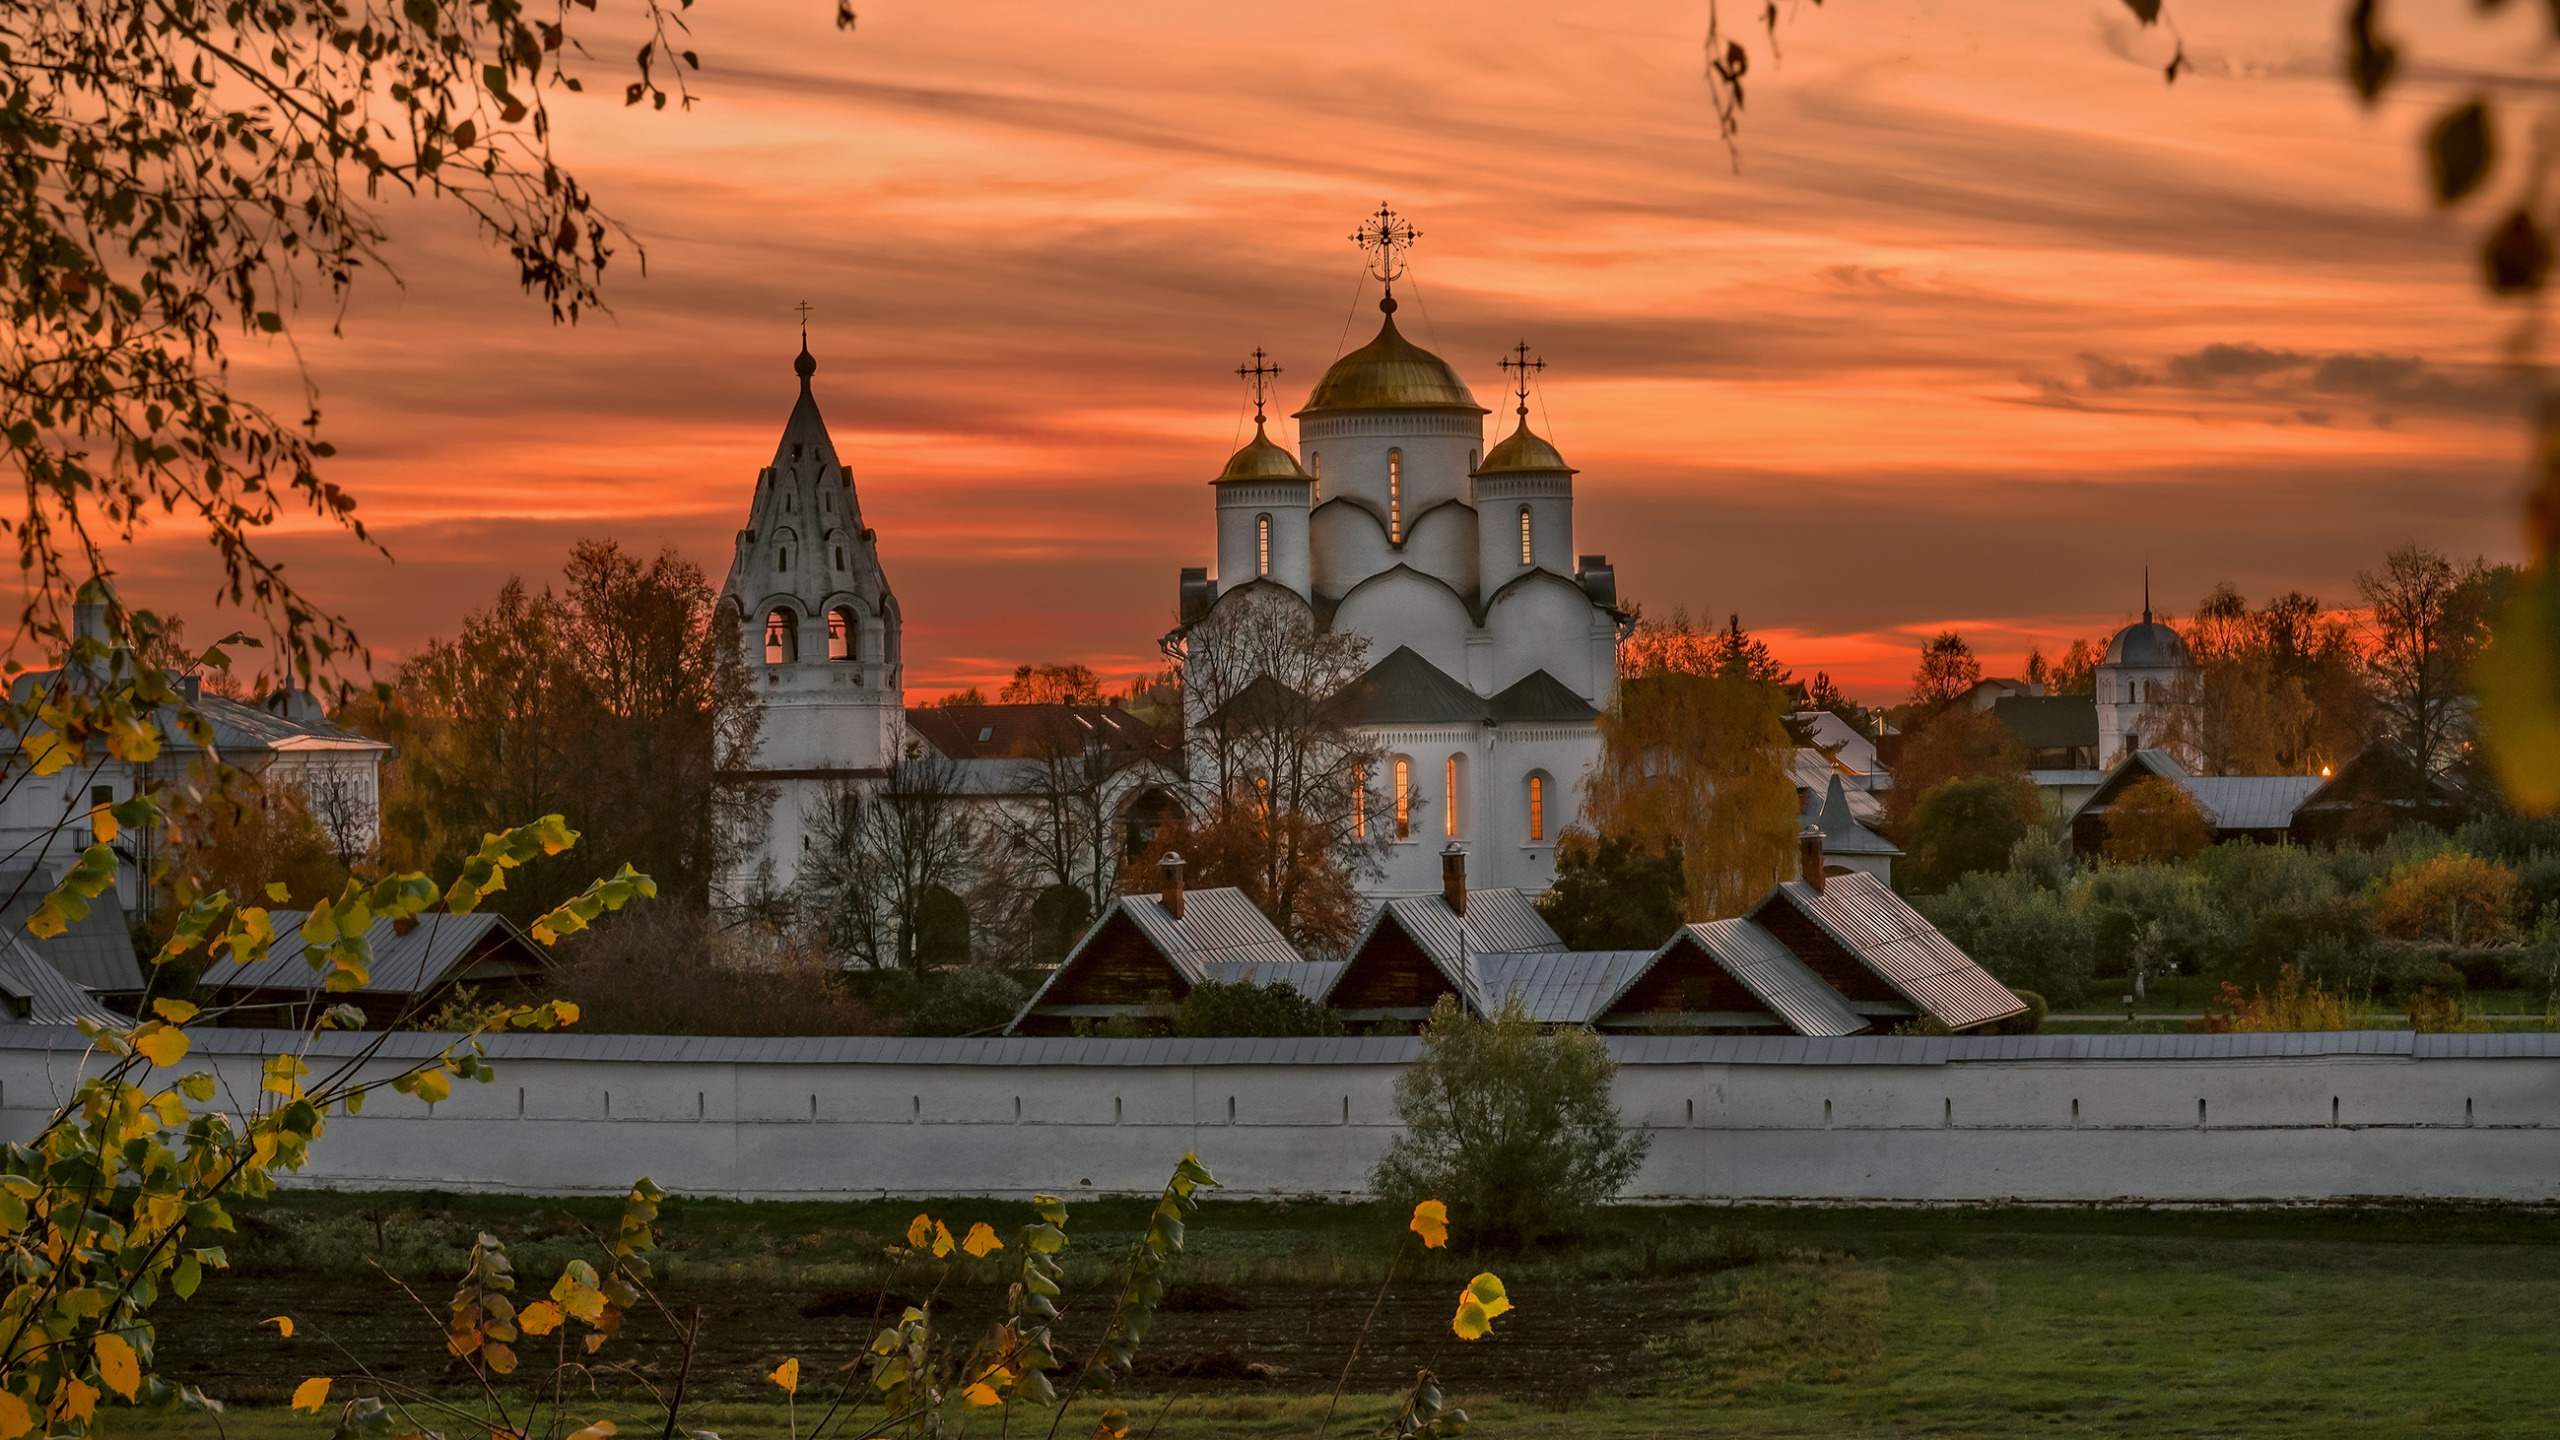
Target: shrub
2147,920
2454,897
2282,905
1514,1128
2021,932
2291,1006
963,1002
1615,896
2432,1011
2154,822
1966,826
2028,1023
671,971
1243,1008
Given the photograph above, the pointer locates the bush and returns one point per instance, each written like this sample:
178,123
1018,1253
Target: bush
2028,1023
667,970
2282,905
1964,827
2291,1007
2024,934
1215,1008
963,1002
1615,896
2455,897
1514,1128
2155,822
2151,920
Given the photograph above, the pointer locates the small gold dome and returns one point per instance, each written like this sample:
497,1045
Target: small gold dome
1260,459
1390,373
1523,450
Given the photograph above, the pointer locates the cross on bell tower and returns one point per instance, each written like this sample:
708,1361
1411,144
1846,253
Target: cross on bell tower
1523,367
1259,375
1388,238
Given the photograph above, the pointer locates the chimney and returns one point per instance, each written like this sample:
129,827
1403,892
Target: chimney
1171,899
1809,855
1453,878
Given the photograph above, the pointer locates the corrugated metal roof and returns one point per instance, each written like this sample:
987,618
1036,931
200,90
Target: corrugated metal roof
44,994
402,964
1311,978
1218,924
1772,973
1347,1050
1497,922
1558,987
96,952
2251,802
1899,944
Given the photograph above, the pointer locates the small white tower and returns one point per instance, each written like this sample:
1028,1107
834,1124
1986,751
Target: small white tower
2139,678
1263,498
818,629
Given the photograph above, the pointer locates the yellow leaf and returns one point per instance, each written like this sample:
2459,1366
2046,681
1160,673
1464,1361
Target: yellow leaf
942,1244
498,1358
433,1085
1488,1292
163,1045
1470,1323
118,1365
1482,1300
601,1430
539,1318
78,1399
982,1393
1431,1222
920,1231
311,1394
14,1417
565,1011
102,824
283,1324
982,1241
1114,1425
47,753
787,1375
48,921
176,1012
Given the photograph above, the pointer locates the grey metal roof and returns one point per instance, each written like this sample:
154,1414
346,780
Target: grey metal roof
1772,973
1558,987
44,994
1841,832
1311,978
1812,773
1218,924
96,952
1346,1050
1540,696
2049,722
239,728
1406,689
1497,921
2251,802
402,964
1899,944
2146,645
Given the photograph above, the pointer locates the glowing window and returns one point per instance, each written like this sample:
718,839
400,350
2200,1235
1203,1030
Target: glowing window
781,637
1537,807
1395,497
1359,802
1404,798
839,635
1315,466
1524,534
1449,812
1262,545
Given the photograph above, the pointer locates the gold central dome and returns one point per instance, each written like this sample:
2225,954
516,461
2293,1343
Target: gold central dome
1390,373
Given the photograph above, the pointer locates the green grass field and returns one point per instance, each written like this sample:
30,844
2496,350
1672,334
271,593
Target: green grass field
1676,1321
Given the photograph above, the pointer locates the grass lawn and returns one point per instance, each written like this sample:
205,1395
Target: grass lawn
1675,1321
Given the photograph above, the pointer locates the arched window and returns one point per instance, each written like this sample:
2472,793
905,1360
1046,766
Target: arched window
781,636
839,557
840,632
1261,544
1359,802
1404,798
1524,534
1449,809
1315,465
782,560
1537,807
1395,497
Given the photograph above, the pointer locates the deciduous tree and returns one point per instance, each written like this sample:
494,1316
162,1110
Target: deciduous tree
2153,822
1698,765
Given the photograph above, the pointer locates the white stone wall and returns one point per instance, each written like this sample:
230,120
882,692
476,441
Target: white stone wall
565,1116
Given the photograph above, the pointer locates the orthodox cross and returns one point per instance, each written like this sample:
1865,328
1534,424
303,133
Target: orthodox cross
803,308
1386,236
1259,375
1525,367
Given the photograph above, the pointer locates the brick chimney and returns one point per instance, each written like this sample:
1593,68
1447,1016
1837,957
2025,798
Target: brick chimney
1453,877
1809,855
1171,899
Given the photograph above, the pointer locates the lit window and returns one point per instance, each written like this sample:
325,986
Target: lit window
781,637
1524,534
1404,798
1395,497
1315,466
1537,807
1449,812
1262,545
839,636
1359,802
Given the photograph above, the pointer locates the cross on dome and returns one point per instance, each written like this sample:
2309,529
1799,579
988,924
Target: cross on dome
806,364
1386,236
1524,366
1259,375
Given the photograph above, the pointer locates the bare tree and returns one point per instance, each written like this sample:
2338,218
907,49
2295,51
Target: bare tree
883,857
2427,619
1062,825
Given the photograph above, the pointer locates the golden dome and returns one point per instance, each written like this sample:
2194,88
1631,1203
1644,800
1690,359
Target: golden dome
1390,373
1261,460
1523,450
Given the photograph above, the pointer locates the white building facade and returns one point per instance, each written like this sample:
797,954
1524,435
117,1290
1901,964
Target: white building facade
1492,645
2143,676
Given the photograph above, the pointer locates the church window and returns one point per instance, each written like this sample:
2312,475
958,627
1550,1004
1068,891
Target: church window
1537,807
1261,544
795,449
839,557
839,635
1404,798
1315,465
782,560
781,636
1395,497
1359,802
1524,534
1449,813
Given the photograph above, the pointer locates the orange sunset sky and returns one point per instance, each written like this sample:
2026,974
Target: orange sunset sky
1988,318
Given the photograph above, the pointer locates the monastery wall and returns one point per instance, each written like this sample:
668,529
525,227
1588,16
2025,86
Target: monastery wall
2040,1119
